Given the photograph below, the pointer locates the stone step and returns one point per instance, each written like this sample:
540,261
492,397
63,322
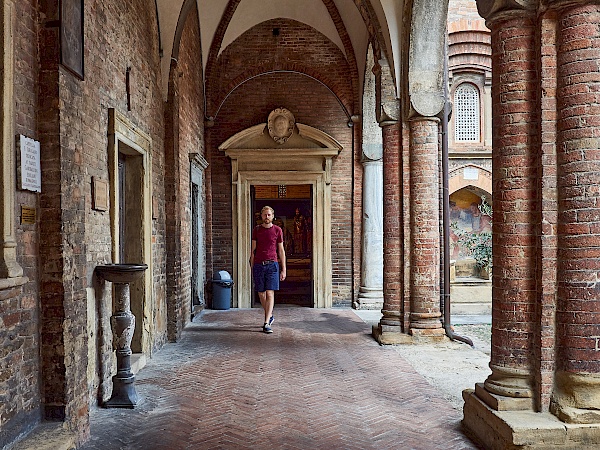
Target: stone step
47,436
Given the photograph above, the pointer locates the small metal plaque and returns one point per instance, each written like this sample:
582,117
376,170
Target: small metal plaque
27,215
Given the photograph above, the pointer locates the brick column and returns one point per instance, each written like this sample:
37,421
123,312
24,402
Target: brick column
576,398
425,311
514,88
389,330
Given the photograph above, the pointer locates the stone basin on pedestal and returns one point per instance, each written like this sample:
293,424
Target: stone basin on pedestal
122,321
121,273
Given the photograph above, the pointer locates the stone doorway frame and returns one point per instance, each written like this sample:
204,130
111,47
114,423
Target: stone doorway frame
123,135
254,164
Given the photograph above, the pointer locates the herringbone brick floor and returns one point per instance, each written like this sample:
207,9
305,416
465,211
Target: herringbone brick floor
318,382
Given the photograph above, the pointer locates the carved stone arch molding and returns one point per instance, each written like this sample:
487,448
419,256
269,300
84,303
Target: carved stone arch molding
260,157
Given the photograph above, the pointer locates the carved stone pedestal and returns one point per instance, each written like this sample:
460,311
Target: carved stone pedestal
122,321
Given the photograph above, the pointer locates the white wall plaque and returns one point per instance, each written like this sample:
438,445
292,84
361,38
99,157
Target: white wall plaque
471,173
31,173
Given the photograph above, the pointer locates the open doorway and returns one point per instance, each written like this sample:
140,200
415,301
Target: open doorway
294,215
198,220
131,217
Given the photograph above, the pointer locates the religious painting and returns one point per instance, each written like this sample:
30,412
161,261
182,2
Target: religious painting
466,217
71,36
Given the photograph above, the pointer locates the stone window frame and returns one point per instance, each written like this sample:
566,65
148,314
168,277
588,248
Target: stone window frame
472,106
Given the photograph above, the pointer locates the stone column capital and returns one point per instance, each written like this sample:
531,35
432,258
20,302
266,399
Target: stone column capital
561,4
497,10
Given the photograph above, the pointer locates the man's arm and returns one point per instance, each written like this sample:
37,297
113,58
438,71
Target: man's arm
252,251
281,253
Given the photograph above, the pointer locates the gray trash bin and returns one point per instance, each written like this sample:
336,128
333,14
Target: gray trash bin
222,284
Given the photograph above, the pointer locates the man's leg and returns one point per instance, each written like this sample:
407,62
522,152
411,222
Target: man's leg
267,300
269,304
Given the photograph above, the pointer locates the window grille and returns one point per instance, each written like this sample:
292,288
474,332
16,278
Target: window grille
466,107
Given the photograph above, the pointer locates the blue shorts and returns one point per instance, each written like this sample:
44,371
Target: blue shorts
266,276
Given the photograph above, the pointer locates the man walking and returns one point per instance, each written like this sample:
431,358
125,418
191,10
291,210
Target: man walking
267,244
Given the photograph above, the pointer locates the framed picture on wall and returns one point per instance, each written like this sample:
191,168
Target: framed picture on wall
71,36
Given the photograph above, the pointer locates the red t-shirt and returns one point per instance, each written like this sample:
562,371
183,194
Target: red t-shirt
266,242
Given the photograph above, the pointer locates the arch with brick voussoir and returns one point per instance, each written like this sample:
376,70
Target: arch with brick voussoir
217,42
456,180
344,105
334,75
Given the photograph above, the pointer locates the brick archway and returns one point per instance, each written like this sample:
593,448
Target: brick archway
470,175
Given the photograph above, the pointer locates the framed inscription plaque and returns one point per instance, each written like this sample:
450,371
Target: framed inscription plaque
71,36
100,194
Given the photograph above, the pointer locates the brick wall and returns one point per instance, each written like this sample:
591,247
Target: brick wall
19,313
121,36
241,95
297,47
72,128
312,104
184,135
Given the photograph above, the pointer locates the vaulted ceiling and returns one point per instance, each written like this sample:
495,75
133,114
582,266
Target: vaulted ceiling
339,20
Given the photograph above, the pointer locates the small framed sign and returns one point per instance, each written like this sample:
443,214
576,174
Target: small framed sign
30,168
99,194
27,215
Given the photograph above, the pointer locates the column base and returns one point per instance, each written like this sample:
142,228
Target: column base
572,415
365,304
369,298
428,334
390,335
500,430
501,402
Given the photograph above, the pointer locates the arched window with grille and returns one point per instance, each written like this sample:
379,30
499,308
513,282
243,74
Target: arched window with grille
466,113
